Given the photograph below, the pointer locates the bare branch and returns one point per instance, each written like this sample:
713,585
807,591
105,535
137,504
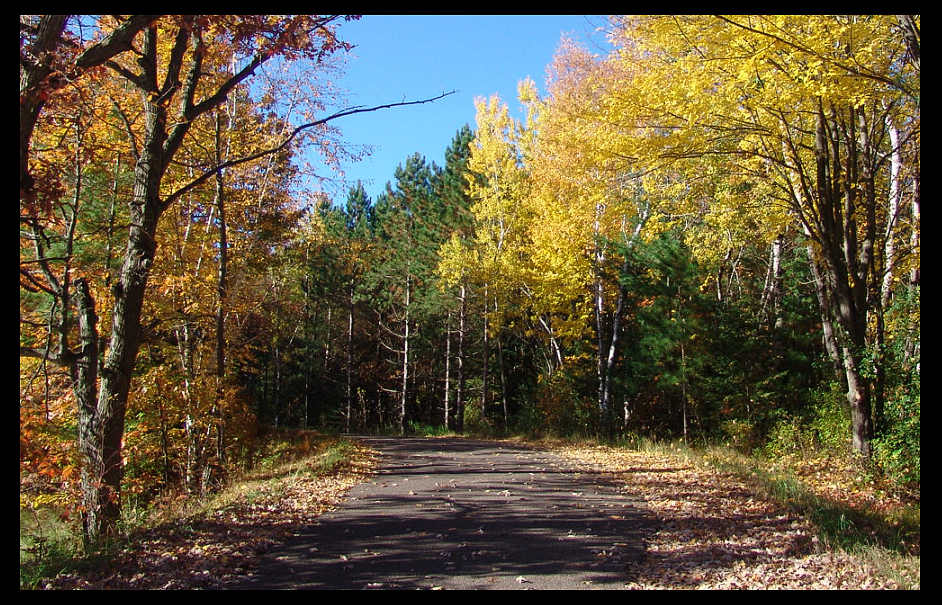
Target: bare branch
346,112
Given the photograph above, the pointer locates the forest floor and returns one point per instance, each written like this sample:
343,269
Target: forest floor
704,529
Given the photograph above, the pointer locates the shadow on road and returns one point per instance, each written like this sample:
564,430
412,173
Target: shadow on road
456,513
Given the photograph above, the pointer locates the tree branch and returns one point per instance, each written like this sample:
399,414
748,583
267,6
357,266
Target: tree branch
346,112
853,71
117,42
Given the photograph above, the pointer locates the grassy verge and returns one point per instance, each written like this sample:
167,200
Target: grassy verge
849,513
50,545
883,533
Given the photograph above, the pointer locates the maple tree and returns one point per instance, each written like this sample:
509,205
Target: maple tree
181,75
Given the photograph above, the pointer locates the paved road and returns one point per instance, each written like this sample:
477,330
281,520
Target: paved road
464,514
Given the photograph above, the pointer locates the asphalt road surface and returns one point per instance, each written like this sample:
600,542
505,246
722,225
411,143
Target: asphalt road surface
463,514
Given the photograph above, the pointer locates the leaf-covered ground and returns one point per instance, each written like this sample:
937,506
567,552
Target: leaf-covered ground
708,530
209,550
711,531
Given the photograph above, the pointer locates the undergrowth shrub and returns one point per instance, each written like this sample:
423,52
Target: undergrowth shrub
897,451
830,419
788,436
562,407
528,420
474,422
427,430
741,435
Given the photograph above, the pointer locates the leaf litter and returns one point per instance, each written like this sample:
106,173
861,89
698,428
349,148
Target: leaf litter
709,530
216,549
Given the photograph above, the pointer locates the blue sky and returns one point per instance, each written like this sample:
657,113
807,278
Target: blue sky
409,57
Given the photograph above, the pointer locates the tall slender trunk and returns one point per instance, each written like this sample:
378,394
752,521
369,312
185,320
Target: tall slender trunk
185,353
683,385
554,346
599,308
221,294
772,292
276,384
447,419
914,237
610,356
349,393
486,355
720,274
327,340
111,217
893,210
608,347
503,380
459,394
405,360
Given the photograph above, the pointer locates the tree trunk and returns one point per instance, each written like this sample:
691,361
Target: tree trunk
683,386
600,328
844,259
609,366
772,293
447,419
554,347
486,355
129,290
85,375
405,361
459,395
349,393
503,380
34,75
221,294
276,385
327,340
828,336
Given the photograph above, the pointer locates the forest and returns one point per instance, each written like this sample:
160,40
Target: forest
709,234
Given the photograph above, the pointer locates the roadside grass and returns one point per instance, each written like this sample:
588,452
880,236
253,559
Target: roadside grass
285,456
863,523
429,430
50,543
849,510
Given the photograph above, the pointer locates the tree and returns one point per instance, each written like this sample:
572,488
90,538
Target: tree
50,56
401,278
452,191
797,104
167,63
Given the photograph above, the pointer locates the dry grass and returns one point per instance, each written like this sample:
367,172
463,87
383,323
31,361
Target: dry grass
719,529
213,543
